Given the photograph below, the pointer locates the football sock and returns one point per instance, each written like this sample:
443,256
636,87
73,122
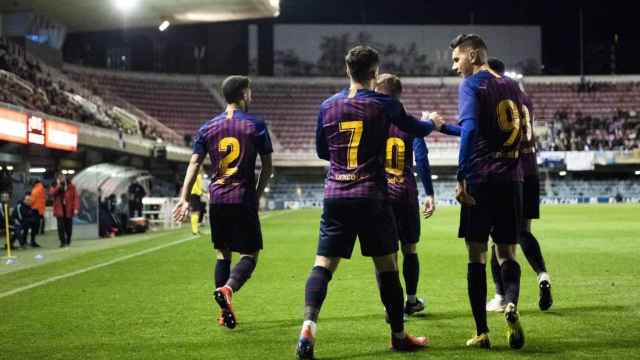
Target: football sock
223,269
315,292
411,273
194,223
531,249
311,325
477,290
496,273
544,277
511,280
241,272
392,297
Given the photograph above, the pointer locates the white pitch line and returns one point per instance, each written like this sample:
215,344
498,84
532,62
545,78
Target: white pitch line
93,267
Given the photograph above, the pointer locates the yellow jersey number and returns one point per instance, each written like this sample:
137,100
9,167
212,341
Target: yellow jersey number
509,120
394,165
354,127
230,146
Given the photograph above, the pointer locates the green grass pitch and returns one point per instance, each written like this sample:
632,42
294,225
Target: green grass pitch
159,305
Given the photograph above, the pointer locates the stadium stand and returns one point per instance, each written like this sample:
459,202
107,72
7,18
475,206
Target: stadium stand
570,115
181,105
32,84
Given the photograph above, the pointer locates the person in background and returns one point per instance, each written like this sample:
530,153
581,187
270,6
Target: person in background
66,203
23,216
136,194
195,201
38,200
123,212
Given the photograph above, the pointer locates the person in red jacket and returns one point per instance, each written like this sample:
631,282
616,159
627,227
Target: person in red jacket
66,203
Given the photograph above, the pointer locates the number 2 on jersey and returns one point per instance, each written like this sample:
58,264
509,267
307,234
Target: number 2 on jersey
354,127
234,153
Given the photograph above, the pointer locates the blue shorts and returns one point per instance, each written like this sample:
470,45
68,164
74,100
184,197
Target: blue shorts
370,220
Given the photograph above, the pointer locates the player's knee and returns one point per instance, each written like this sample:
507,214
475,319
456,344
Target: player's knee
505,252
477,252
408,249
329,263
385,263
223,255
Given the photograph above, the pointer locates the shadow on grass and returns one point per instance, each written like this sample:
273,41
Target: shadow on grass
579,310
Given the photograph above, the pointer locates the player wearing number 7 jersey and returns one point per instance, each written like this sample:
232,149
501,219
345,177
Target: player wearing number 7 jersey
233,140
489,180
352,130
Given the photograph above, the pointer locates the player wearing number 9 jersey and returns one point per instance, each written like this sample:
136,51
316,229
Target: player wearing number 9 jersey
233,140
489,180
531,205
352,130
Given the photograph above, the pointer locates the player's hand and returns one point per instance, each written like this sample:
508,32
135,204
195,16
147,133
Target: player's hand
436,118
180,211
463,196
429,207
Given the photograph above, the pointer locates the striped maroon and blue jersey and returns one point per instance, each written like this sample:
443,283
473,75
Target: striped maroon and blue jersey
351,134
528,158
492,105
398,166
233,140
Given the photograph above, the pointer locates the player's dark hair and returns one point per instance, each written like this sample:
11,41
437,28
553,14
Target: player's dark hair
233,88
472,41
391,83
361,61
496,65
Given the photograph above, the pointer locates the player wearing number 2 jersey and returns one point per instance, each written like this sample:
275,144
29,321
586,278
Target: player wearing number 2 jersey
352,130
233,140
489,180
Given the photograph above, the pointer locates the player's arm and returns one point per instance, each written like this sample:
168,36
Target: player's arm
197,158
265,174
468,119
405,122
265,149
450,129
322,148
182,207
421,153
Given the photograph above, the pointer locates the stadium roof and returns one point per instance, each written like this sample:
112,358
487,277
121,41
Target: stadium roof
93,15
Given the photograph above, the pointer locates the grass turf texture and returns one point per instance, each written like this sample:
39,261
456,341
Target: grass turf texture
159,305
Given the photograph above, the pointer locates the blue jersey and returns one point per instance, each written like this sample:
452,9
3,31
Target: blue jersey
351,133
233,139
491,119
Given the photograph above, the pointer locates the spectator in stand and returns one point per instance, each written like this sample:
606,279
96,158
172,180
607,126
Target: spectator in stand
65,206
38,199
136,194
